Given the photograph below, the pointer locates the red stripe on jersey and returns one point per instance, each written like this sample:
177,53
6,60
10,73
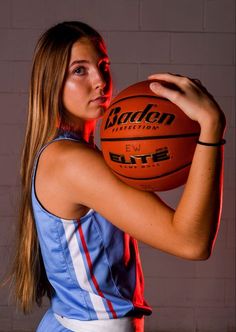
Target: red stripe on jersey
90,265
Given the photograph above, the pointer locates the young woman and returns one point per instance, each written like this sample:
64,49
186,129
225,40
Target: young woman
78,223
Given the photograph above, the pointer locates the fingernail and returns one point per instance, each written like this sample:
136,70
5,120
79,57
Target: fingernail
155,85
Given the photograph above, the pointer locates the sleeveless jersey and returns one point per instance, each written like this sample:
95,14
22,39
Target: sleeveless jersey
94,267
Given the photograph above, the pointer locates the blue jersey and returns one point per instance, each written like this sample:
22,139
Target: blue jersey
94,267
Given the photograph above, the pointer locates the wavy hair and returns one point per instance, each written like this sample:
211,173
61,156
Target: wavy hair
45,113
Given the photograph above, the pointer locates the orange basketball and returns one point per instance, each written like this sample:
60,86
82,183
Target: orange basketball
147,141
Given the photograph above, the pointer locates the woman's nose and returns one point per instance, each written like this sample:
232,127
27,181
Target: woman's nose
99,80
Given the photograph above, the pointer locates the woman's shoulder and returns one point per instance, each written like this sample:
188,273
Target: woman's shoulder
60,150
53,189
64,158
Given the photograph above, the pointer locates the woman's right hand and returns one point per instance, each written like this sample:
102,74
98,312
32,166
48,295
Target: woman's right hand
192,97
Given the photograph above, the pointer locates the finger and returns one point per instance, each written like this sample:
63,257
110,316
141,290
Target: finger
165,92
196,80
164,74
199,84
175,79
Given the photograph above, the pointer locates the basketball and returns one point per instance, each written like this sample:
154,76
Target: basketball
148,141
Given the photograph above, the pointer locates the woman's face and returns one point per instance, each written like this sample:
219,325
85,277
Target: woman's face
87,89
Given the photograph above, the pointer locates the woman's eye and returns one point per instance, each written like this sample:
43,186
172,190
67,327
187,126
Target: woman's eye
80,70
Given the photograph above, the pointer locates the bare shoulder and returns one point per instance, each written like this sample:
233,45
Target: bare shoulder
54,194
54,157
57,153
82,168
67,158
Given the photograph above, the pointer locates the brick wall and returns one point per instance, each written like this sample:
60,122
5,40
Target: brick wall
193,38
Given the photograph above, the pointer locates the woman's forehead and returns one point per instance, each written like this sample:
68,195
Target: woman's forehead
85,48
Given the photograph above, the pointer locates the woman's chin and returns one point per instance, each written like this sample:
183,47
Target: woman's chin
98,113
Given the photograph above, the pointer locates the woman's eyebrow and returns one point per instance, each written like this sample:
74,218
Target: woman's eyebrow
104,58
78,62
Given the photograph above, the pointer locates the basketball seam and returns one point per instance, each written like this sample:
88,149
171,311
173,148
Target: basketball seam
130,97
154,177
147,137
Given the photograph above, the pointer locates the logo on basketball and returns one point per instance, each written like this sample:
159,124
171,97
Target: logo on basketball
141,159
118,117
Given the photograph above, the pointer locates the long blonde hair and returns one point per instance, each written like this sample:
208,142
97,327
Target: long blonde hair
45,112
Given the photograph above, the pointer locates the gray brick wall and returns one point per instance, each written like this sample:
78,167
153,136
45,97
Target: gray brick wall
193,38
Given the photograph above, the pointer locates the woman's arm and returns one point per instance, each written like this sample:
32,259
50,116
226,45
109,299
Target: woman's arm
189,231
198,212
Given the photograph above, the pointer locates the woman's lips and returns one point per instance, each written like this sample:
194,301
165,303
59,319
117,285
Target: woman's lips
99,100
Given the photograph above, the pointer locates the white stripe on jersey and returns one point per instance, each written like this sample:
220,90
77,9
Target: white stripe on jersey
114,325
80,270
